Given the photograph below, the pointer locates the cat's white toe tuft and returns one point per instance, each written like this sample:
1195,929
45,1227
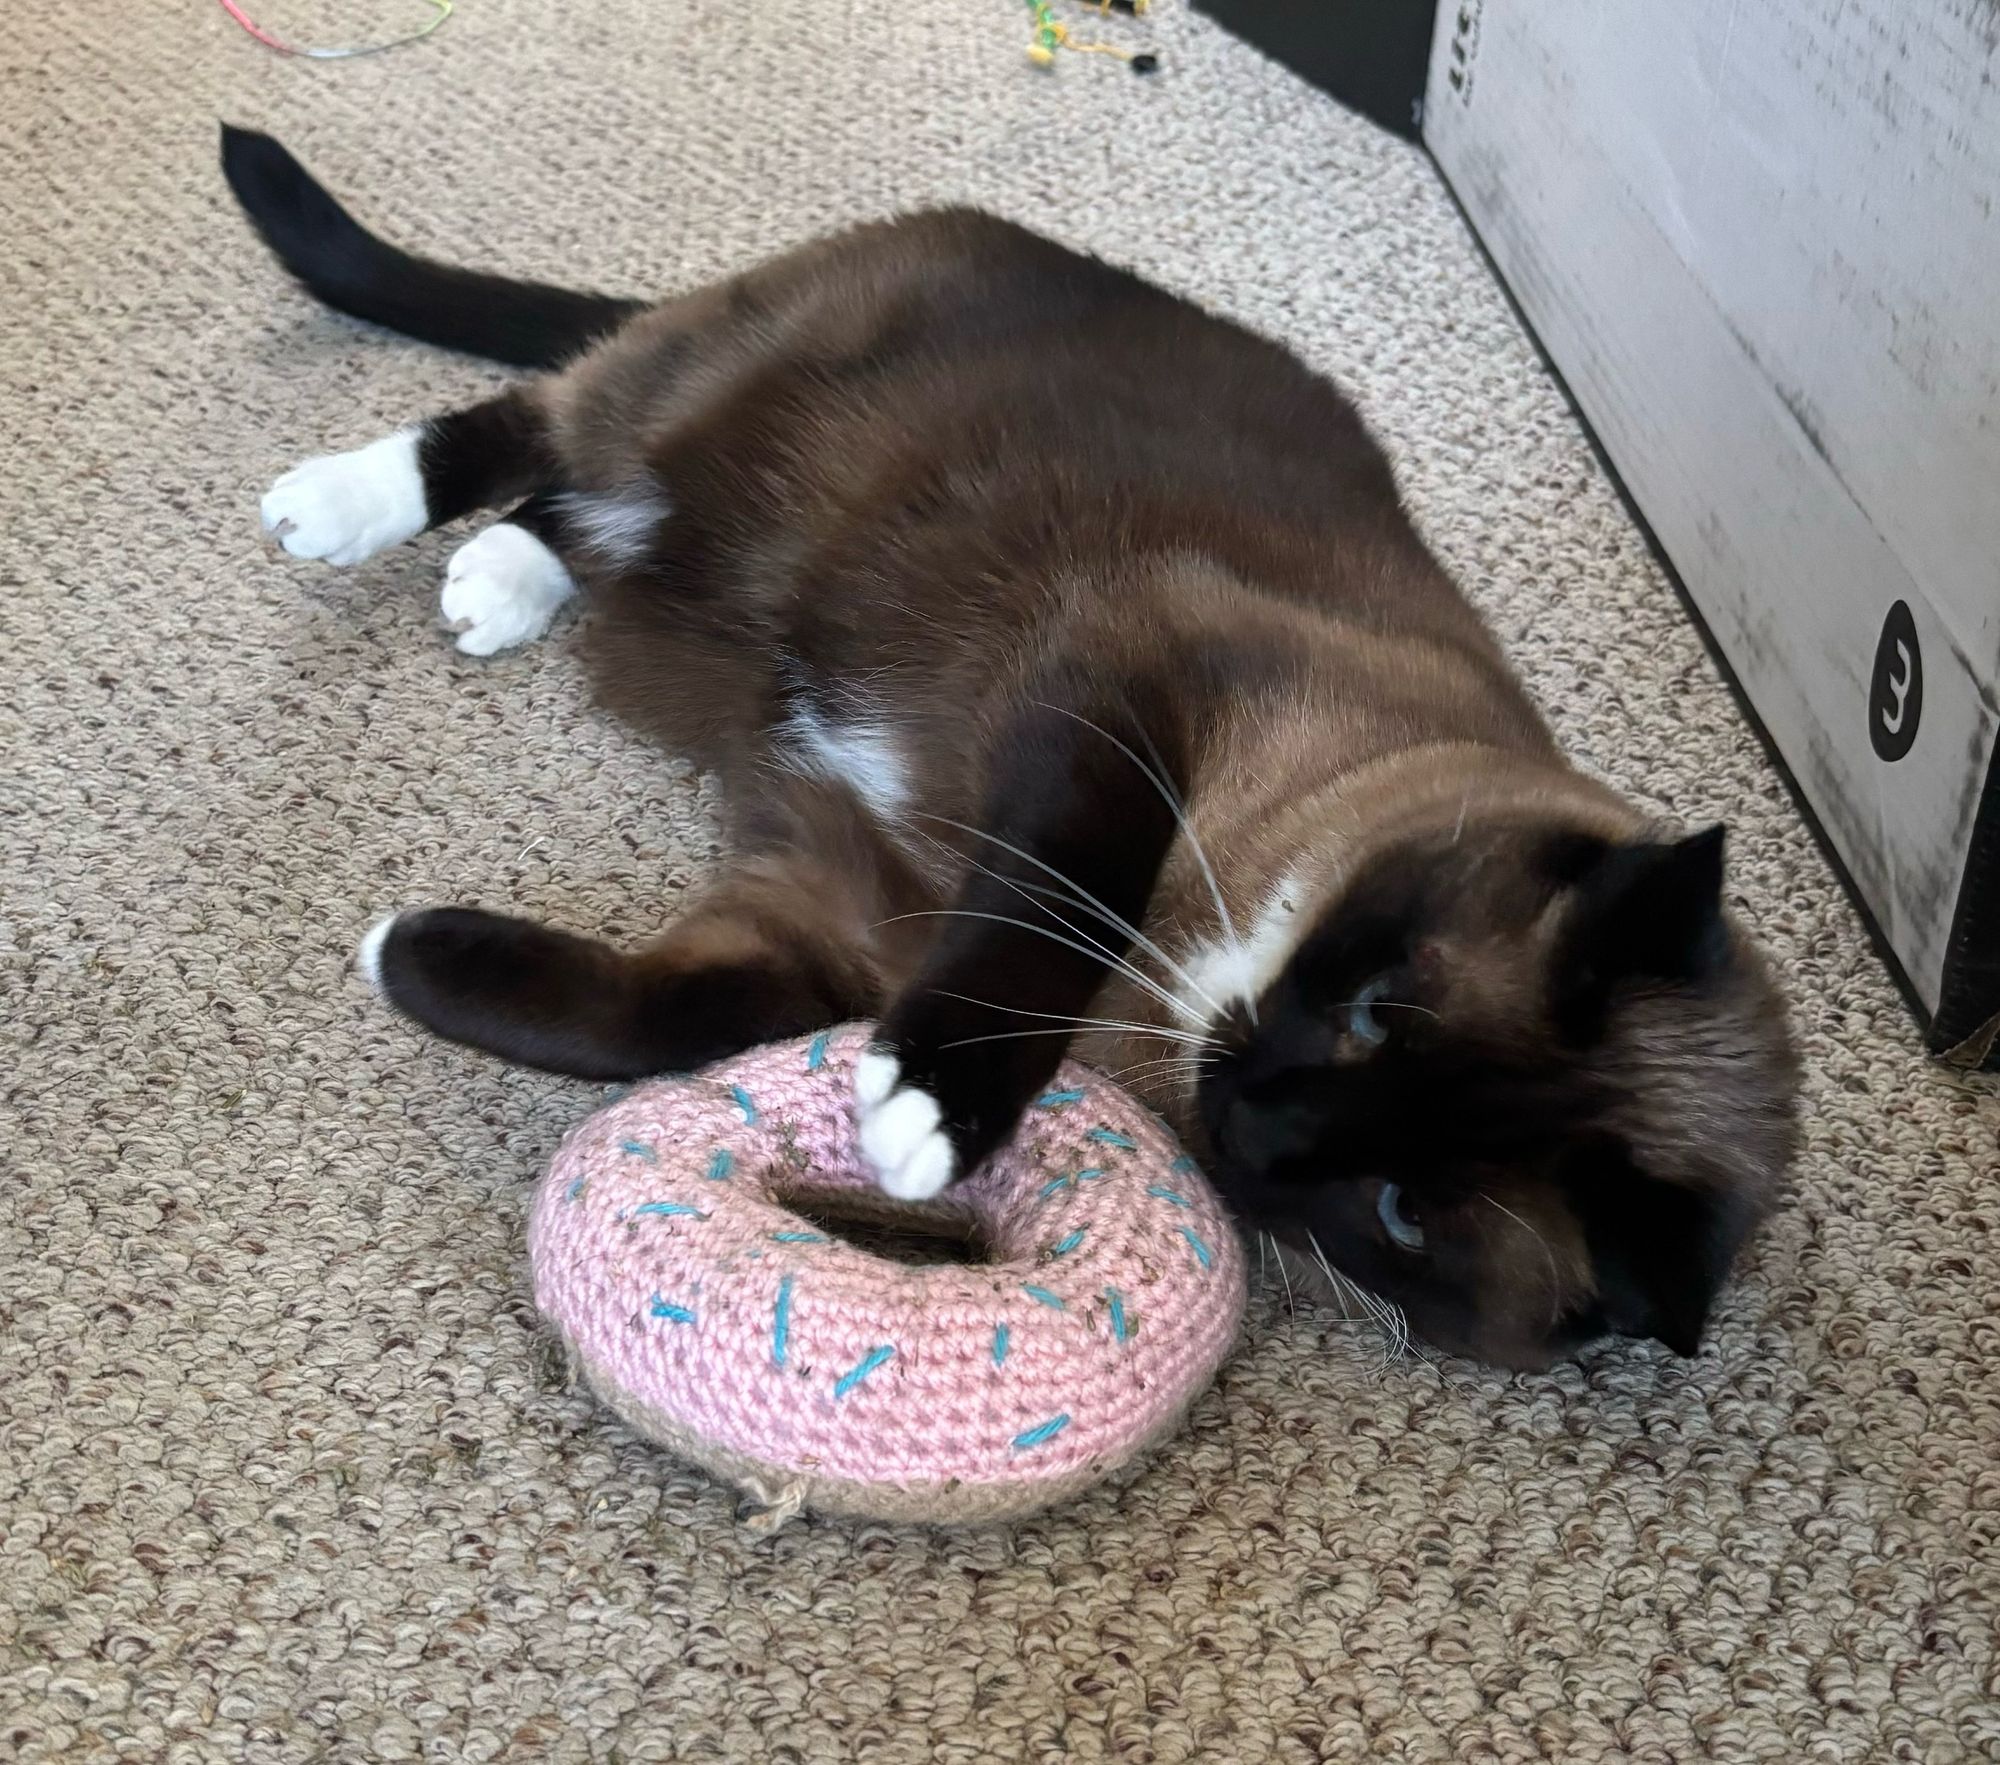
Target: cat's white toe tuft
901,1132
368,958
875,1076
501,588
347,507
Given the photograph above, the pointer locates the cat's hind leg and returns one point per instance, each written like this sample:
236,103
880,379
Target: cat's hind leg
505,583
344,508
761,959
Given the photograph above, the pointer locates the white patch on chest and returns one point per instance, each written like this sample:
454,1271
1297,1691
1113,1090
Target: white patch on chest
1221,972
860,755
618,527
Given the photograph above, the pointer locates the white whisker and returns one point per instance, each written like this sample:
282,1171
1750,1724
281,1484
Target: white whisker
1285,1275
1083,897
1344,1289
1056,1030
1173,802
1387,1005
1548,1255
1111,957
1191,1067
1064,1024
1387,1316
1185,1058
1084,1023
1145,1076
1152,986
1036,895
1341,1287
1126,1074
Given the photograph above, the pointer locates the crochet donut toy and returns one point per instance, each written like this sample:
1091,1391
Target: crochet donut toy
679,1246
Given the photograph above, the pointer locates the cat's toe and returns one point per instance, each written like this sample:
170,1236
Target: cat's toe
368,955
901,1132
501,588
344,508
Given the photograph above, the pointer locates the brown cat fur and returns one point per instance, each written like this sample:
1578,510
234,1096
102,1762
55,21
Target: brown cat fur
1073,672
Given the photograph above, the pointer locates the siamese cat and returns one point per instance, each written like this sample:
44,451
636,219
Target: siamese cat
1076,683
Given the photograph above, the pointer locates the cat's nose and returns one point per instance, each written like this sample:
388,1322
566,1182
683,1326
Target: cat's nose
1257,1136
1272,1063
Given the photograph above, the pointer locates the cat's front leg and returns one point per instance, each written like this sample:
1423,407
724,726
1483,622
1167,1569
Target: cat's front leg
1071,844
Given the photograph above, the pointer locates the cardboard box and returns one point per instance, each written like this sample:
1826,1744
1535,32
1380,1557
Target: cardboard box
1760,244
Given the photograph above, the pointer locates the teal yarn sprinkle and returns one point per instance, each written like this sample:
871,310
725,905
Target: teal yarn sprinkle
816,1053
1042,1296
1001,1335
1091,1175
1051,1186
575,1191
1112,1137
1202,1252
678,1314
798,1237
742,1098
1116,1302
1182,1165
1056,1099
1069,1243
639,1149
1045,1431
669,1207
720,1165
617,1093
781,1322
1160,1192
861,1369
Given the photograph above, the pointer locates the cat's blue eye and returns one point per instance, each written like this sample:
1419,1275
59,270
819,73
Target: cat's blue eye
1392,1208
1362,1023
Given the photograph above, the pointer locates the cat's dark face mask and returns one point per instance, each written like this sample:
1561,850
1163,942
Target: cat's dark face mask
1431,1102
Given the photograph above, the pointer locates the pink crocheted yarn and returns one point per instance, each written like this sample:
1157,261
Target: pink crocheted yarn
717,1319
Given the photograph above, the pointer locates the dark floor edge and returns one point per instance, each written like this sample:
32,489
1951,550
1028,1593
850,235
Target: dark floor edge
1372,56
1967,1029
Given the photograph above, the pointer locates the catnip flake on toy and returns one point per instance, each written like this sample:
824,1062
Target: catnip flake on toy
675,1247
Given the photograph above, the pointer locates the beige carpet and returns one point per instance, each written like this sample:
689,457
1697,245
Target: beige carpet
286,1473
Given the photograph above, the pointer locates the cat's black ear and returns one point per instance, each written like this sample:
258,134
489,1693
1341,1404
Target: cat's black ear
1660,1252
1649,911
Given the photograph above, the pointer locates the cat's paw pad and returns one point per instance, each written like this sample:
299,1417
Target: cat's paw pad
901,1131
347,507
501,588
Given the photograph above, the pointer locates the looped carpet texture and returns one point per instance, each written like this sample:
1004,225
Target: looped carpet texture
289,1470
716,1318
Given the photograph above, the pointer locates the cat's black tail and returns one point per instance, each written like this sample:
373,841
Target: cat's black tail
524,323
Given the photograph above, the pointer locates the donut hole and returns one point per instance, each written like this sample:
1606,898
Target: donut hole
915,1236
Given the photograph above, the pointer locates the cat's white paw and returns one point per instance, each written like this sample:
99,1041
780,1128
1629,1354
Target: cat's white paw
501,588
901,1131
347,507
368,957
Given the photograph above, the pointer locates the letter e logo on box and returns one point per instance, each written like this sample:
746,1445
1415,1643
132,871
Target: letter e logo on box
1896,689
